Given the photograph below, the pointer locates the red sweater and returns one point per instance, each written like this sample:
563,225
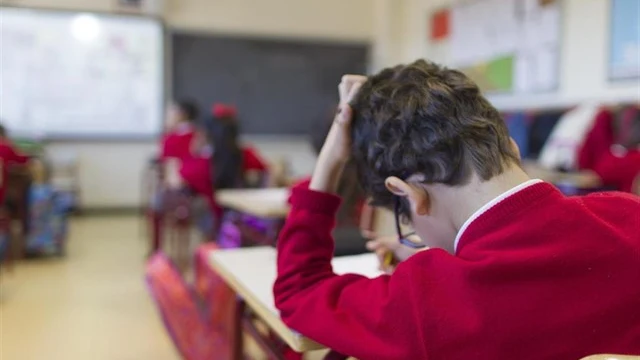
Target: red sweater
598,140
177,144
8,156
619,171
537,276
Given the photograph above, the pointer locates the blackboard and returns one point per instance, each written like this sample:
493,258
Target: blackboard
279,86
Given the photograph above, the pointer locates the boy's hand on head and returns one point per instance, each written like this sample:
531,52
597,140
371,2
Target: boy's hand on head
337,147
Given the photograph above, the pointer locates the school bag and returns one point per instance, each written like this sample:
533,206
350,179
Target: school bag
178,306
48,221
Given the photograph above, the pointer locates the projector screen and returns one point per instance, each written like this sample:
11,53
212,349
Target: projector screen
80,75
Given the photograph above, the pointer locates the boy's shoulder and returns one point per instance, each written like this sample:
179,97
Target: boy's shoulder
611,198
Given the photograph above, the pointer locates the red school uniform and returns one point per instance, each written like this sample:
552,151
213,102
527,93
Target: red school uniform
536,275
197,173
8,156
251,160
619,169
177,143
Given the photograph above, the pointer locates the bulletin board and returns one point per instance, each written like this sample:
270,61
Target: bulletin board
508,45
624,57
69,75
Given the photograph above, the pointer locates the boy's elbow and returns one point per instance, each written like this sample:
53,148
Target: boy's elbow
285,299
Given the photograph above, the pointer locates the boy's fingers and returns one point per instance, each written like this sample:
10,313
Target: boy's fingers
346,86
373,245
353,91
351,79
343,91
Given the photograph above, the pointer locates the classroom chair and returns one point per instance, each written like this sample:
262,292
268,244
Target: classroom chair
65,176
217,298
168,214
191,333
177,222
6,250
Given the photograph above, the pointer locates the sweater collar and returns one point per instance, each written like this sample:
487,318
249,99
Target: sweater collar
491,204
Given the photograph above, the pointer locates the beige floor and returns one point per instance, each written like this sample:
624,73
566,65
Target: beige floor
92,304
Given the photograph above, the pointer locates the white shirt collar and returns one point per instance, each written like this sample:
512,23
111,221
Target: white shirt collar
491,204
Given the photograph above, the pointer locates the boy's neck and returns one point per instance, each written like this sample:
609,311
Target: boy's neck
466,200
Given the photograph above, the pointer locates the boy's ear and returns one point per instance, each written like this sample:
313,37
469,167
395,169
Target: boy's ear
418,197
396,186
515,147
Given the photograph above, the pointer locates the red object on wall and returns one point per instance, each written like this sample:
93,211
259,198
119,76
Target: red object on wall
440,24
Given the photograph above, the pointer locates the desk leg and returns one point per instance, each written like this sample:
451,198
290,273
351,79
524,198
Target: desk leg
265,343
237,345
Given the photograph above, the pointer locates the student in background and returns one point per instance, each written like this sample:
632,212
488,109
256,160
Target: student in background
179,129
234,162
620,166
9,156
197,170
516,270
176,142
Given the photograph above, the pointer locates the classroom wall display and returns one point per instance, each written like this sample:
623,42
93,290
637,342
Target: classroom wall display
624,57
508,45
77,75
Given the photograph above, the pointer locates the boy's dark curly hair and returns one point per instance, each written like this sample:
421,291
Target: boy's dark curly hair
425,119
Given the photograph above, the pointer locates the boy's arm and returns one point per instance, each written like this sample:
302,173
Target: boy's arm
357,316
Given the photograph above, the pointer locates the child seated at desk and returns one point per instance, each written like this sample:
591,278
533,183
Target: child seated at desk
620,166
516,270
234,162
9,156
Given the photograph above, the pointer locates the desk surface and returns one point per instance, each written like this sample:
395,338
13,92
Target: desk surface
251,273
265,203
582,180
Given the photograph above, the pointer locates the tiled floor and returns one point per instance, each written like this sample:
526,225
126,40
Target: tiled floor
91,304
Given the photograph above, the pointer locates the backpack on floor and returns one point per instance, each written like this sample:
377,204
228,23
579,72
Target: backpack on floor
47,221
193,337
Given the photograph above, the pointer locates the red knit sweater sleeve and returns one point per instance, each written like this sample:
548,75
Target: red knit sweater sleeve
360,317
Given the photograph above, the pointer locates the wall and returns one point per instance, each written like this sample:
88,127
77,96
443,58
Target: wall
116,179
583,65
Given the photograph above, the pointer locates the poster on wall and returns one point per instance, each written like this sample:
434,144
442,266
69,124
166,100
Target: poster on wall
624,57
508,45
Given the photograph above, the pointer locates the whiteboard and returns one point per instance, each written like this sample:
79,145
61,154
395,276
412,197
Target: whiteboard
77,75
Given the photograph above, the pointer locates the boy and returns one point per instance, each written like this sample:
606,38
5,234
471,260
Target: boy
517,270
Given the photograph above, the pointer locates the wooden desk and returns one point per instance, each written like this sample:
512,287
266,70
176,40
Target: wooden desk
264,203
251,273
579,180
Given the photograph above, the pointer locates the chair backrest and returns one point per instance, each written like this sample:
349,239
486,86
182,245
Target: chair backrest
218,299
611,357
180,313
